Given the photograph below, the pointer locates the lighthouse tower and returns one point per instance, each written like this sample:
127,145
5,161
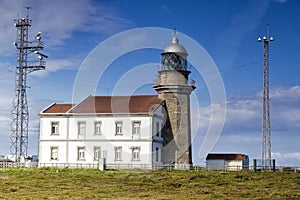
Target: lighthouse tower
172,86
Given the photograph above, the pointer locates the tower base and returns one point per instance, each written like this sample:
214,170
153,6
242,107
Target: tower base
178,166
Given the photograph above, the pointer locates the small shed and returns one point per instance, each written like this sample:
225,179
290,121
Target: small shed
225,161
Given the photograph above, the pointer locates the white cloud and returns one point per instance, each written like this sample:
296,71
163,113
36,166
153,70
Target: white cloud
285,108
242,114
202,116
242,129
285,91
286,158
243,139
293,116
58,64
58,20
290,155
282,96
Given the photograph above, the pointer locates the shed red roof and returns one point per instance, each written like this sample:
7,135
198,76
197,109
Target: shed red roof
212,156
109,104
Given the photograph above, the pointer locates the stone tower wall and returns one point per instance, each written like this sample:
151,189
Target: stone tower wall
172,86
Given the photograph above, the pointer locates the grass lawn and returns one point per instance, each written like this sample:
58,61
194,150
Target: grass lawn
51,183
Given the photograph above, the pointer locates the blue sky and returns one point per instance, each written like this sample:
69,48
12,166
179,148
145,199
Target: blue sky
227,30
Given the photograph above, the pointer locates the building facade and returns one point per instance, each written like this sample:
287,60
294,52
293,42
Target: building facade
123,130
227,161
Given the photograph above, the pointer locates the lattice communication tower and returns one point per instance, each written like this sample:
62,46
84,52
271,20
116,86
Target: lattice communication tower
19,111
266,164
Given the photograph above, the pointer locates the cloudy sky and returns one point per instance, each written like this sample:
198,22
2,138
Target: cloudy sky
227,30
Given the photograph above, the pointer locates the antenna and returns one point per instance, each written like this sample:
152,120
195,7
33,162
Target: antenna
19,111
266,128
28,10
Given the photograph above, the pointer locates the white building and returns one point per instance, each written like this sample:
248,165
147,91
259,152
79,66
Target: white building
227,161
125,130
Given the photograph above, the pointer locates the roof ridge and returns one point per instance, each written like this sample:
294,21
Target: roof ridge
139,95
109,104
78,104
52,104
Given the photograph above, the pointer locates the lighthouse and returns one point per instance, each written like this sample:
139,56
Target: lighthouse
172,85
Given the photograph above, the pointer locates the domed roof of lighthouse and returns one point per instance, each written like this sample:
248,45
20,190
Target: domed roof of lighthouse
175,47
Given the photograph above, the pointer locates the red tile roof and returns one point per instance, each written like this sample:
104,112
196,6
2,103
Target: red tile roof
58,108
212,156
110,104
118,104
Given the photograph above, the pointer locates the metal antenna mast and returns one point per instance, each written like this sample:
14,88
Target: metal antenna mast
19,111
266,132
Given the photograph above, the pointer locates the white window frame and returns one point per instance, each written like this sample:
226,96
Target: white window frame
119,128
98,128
80,153
54,153
136,128
135,153
55,128
118,153
81,127
97,153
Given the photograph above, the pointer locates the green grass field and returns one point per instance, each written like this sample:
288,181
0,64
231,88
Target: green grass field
50,183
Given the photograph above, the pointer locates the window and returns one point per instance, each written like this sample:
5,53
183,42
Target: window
81,128
157,155
119,125
80,153
54,128
136,128
98,128
157,129
53,153
136,153
97,153
118,153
